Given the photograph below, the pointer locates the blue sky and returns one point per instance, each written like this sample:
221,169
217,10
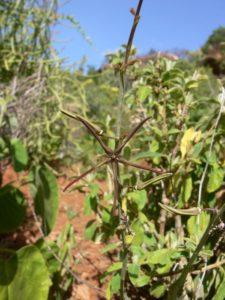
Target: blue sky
164,25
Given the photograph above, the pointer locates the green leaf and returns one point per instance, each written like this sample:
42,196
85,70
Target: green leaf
52,263
90,230
206,252
116,60
12,208
106,216
197,148
115,283
94,189
109,247
19,155
173,131
219,293
108,291
147,154
127,152
212,159
115,267
161,260
161,256
3,148
157,290
142,281
133,271
46,197
215,179
138,238
135,276
164,268
24,276
192,84
139,197
186,189
143,92
90,204
196,229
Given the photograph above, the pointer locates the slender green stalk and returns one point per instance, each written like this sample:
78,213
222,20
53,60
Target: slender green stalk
120,106
176,287
124,251
124,257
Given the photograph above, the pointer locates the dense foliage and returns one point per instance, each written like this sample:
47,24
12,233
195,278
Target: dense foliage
176,139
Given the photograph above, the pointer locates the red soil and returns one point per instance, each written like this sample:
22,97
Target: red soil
92,263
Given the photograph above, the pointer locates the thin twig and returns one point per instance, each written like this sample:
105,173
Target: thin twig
130,135
209,267
86,173
129,163
132,32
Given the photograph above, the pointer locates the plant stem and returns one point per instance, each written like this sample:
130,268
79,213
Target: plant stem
124,257
176,287
117,194
120,106
132,32
124,252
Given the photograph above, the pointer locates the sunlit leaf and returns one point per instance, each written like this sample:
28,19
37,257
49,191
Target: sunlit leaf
190,136
219,292
109,247
215,179
90,230
186,189
115,283
143,92
138,197
157,290
24,276
115,267
197,225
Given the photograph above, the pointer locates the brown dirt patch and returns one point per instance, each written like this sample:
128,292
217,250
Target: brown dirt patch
92,263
